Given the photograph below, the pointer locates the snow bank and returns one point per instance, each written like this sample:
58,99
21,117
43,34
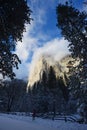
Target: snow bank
15,122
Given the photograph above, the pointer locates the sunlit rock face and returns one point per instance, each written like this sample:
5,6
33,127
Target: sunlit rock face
44,63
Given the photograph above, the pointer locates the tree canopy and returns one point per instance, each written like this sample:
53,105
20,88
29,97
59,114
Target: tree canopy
73,25
13,17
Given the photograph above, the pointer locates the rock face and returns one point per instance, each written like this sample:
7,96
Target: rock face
44,63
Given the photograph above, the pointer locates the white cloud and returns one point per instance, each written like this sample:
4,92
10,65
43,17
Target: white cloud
41,3
23,50
32,39
56,48
39,12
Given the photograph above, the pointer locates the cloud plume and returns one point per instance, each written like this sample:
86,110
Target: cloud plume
56,48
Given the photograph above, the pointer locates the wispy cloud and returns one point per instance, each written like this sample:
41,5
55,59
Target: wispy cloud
35,41
24,50
85,5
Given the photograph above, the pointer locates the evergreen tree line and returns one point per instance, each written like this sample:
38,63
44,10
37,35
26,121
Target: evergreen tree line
48,95
51,94
12,95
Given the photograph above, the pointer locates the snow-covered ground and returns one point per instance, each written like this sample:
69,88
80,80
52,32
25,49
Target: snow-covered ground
15,122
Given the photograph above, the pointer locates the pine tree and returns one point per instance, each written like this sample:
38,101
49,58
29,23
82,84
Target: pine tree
52,87
64,89
73,25
51,78
44,80
13,17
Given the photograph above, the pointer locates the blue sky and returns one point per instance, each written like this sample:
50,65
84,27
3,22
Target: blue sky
42,36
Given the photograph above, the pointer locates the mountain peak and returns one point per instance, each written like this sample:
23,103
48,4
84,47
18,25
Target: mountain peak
43,64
